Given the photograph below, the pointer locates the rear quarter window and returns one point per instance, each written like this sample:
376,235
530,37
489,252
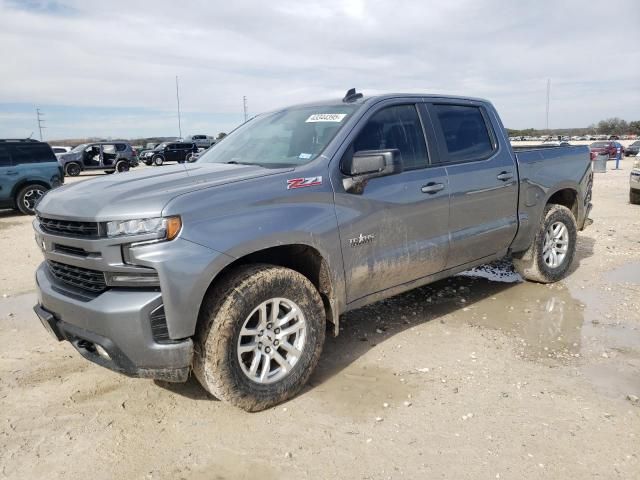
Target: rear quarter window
464,132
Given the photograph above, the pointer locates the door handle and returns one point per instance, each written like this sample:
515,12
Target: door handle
432,187
504,176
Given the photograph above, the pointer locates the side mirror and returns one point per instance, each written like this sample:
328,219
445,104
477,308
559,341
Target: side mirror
375,163
367,164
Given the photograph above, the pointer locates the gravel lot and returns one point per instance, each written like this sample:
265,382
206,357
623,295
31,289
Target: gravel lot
468,378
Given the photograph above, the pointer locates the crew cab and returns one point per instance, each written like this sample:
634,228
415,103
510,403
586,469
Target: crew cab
233,267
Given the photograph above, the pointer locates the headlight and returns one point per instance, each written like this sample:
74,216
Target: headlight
166,228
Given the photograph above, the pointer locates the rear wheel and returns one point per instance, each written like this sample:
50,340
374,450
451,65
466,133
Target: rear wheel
261,335
634,196
28,197
158,160
550,255
122,166
72,169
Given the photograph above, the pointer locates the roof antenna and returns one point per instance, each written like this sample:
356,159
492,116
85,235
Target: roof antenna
351,96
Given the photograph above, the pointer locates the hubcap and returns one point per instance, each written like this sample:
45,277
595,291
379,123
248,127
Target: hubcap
31,198
556,244
272,340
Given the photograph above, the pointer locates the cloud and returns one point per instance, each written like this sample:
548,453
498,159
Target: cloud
118,55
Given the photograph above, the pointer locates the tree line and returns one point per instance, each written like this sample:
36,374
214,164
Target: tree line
609,126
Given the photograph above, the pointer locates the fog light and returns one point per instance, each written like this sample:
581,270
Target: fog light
102,352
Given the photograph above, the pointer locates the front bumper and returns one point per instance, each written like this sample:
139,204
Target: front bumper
117,321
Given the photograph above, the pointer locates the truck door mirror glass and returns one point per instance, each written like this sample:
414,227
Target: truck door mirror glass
375,163
367,164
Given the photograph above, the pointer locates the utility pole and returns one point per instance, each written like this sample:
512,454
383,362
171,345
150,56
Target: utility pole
246,108
548,95
178,98
39,116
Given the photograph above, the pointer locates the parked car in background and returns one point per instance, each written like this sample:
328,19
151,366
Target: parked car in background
147,148
59,150
108,156
170,152
201,141
232,268
610,147
633,149
634,182
613,137
28,169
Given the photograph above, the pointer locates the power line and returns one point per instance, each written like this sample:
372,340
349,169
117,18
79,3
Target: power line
178,98
39,116
246,108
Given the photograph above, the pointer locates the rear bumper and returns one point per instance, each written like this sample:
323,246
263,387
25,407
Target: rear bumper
116,322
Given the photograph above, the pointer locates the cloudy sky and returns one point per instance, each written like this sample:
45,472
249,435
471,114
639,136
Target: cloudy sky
107,68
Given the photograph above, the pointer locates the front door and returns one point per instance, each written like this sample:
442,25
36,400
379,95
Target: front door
483,182
396,229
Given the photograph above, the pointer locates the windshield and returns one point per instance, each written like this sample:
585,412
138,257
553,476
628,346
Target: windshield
286,138
80,147
161,146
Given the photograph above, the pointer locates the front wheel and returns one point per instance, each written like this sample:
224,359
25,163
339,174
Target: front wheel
260,335
28,198
550,255
158,160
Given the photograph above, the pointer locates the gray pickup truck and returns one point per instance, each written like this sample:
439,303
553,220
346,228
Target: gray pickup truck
234,266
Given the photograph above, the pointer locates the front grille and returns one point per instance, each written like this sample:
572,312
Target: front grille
83,278
70,228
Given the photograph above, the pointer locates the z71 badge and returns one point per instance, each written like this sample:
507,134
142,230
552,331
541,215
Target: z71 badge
303,182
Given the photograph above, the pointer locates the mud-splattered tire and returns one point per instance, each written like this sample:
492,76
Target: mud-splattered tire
634,197
225,312
535,264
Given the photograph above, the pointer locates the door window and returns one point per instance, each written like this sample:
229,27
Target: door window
5,160
465,132
396,127
35,153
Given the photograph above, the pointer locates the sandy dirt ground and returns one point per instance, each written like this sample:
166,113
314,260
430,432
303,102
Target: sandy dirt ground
468,378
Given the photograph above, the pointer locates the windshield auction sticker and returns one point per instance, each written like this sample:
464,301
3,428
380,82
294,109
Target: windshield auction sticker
326,117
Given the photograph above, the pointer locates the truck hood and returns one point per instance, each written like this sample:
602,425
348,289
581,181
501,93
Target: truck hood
140,194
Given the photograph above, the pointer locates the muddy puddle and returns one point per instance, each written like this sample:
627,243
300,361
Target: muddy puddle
545,321
629,273
358,392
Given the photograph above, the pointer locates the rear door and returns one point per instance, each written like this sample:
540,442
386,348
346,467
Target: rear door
395,229
483,181
8,174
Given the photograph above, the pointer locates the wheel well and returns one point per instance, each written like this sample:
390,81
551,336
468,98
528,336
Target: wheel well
566,197
301,258
20,185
